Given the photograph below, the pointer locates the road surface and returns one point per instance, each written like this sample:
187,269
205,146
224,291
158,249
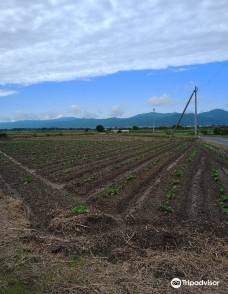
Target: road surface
217,140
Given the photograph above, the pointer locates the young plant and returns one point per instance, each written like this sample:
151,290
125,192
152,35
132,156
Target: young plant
111,191
80,209
179,173
165,207
171,194
27,180
130,177
175,181
87,180
77,184
43,191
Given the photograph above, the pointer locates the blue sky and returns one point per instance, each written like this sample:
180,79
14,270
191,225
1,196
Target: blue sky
97,59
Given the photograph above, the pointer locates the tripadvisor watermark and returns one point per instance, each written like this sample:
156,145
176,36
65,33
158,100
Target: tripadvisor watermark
177,283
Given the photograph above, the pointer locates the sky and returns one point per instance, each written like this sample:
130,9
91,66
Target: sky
105,58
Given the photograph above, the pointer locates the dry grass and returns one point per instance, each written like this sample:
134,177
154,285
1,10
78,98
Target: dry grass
44,263
28,266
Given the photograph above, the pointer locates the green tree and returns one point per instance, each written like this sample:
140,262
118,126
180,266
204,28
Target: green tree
135,128
217,131
224,131
204,132
100,128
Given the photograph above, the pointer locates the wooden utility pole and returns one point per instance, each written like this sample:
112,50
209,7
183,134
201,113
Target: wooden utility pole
196,112
153,120
181,116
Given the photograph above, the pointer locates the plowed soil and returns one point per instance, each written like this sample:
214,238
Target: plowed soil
125,185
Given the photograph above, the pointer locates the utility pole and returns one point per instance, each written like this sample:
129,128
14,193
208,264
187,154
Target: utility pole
196,112
115,122
181,116
153,120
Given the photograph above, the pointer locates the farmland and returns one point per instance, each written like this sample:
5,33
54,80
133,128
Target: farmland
138,196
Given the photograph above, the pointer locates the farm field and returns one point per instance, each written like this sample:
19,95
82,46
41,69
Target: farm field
137,198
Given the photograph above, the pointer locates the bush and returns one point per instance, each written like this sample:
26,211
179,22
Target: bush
135,128
204,132
224,131
100,128
3,135
217,131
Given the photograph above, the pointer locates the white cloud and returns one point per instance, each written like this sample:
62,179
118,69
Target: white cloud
117,110
179,69
164,100
87,114
75,109
4,119
7,93
20,115
190,85
60,40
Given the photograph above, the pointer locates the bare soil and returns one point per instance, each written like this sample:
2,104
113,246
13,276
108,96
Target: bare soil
126,243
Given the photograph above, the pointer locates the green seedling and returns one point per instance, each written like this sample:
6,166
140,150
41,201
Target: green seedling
111,191
117,166
27,180
168,153
67,171
223,198
171,194
179,173
63,163
225,209
155,162
59,174
80,209
175,181
164,206
214,172
130,177
43,190
15,171
87,180
221,191
95,176
77,184
183,166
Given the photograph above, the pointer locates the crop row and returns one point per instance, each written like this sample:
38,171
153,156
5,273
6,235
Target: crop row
213,150
139,172
223,199
172,192
118,166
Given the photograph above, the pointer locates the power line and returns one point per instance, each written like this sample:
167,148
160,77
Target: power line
216,74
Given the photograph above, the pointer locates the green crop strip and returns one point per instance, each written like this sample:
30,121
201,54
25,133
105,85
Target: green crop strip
223,199
213,150
171,193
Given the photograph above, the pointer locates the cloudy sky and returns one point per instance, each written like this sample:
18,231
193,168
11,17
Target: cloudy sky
102,58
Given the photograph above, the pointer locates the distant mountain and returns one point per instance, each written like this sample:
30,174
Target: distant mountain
213,117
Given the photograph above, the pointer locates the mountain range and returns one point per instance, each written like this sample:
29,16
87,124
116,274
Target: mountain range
213,117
